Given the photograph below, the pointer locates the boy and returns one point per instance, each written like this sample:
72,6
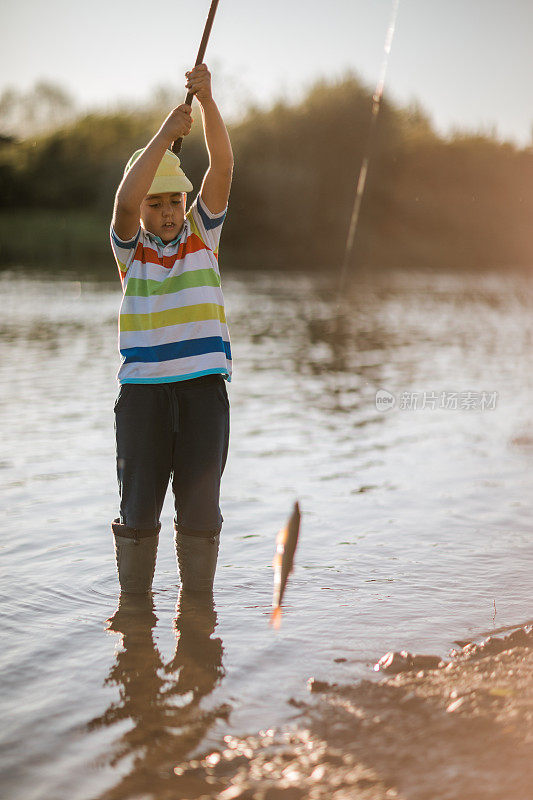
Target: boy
172,411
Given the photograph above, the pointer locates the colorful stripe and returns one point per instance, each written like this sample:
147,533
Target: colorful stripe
168,352
127,245
145,287
175,378
210,222
147,255
172,316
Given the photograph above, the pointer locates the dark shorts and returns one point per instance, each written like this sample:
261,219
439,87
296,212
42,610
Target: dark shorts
177,431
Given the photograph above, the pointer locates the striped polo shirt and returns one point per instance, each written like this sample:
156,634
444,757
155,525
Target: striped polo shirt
172,323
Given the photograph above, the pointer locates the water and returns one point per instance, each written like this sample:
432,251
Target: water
416,523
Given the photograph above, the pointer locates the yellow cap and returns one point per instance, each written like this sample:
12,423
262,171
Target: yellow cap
169,176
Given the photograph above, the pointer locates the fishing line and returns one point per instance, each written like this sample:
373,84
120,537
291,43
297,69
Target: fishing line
361,181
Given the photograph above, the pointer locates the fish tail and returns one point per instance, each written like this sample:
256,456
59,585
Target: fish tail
275,617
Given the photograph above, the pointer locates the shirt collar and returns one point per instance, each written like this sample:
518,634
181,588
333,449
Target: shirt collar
157,239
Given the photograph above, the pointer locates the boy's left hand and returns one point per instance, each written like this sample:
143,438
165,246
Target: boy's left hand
199,83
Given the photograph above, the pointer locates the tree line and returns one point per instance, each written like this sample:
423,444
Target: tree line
463,201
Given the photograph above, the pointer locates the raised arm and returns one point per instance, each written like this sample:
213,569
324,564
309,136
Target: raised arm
217,180
136,182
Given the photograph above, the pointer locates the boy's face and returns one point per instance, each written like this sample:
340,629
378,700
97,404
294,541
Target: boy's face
163,214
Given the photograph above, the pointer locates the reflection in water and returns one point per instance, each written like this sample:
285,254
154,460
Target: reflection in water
161,702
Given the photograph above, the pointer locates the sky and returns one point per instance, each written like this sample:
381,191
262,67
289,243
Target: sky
467,62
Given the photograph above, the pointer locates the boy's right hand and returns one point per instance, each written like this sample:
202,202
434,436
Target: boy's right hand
178,123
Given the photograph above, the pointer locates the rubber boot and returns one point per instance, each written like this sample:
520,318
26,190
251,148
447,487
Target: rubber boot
136,553
197,560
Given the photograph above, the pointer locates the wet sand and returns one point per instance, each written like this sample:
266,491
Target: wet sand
461,731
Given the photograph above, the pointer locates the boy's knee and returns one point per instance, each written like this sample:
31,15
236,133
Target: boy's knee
133,532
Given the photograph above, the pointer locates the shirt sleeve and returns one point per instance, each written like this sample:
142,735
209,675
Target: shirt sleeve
209,225
124,251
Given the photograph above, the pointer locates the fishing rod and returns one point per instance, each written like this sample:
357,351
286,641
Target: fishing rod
176,146
361,181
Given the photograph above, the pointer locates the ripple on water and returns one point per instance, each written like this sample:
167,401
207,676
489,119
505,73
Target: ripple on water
415,528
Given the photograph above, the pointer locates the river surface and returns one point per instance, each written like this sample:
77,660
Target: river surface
416,527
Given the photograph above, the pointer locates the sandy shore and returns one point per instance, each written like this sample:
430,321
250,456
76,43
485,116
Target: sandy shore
460,731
